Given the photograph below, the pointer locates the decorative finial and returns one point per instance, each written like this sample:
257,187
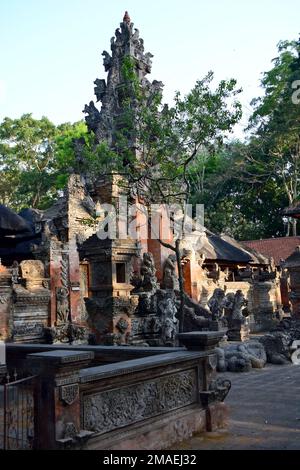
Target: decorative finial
126,18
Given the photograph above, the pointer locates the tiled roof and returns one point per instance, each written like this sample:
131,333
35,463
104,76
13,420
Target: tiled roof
277,248
292,210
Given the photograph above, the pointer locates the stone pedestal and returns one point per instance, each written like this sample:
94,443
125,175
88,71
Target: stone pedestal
215,390
201,340
238,332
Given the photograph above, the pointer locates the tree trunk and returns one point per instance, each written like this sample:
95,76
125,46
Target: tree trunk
294,225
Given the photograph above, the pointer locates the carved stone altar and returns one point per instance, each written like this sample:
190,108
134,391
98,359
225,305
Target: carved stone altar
24,301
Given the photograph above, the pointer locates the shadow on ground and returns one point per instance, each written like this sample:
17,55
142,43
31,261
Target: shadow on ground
264,412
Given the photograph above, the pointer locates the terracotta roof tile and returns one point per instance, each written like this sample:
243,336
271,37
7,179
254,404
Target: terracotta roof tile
277,248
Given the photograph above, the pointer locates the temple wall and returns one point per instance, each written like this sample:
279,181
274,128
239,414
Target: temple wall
264,299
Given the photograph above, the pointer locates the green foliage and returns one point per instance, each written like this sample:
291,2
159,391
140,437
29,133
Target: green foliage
246,185
36,158
27,161
154,144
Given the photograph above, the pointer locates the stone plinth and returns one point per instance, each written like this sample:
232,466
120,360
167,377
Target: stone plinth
58,398
201,340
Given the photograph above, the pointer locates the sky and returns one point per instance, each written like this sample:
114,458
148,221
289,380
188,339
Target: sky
50,50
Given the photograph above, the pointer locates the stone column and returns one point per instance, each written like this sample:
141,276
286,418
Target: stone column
214,390
57,402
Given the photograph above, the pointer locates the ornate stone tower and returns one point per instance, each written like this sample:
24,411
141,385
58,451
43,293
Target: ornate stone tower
112,93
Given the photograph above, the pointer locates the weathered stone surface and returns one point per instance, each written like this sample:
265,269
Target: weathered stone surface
135,403
201,340
241,357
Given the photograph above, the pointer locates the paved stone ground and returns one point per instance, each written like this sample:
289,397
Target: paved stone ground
264,412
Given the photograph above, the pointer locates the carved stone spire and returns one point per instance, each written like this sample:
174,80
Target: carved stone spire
126,18
110,92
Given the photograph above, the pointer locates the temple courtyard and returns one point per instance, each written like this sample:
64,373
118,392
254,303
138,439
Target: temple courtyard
263,412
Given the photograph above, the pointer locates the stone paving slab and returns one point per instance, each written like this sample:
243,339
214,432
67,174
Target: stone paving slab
264,412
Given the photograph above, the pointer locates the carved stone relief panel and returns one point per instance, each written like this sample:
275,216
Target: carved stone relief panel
104,411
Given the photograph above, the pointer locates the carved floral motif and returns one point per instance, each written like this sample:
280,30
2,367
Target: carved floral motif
69,393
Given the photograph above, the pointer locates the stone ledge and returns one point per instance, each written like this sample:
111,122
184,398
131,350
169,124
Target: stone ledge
201,340
135,365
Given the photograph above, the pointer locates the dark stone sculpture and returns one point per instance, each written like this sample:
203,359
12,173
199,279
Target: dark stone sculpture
169,323
126,43
93,116
100,89
148,271
236,316
277,348
241,357
216,304
62,304
170,280
107,63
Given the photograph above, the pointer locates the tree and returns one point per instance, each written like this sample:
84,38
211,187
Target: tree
246,186
239,199
156,144
26,161
36,158
276,123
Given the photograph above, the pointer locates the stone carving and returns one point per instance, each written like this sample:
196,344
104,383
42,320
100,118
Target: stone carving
62,293
122,325
236,316
70,431
169,323
4,299
216,304
32,269
148,271
220,388
62,305
147,303
28,329
241,357
15,272
170,276
196,317
65,333
107,63
126,43
69,393
105,411
277,346
33,273
99,89
150,325
93,116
